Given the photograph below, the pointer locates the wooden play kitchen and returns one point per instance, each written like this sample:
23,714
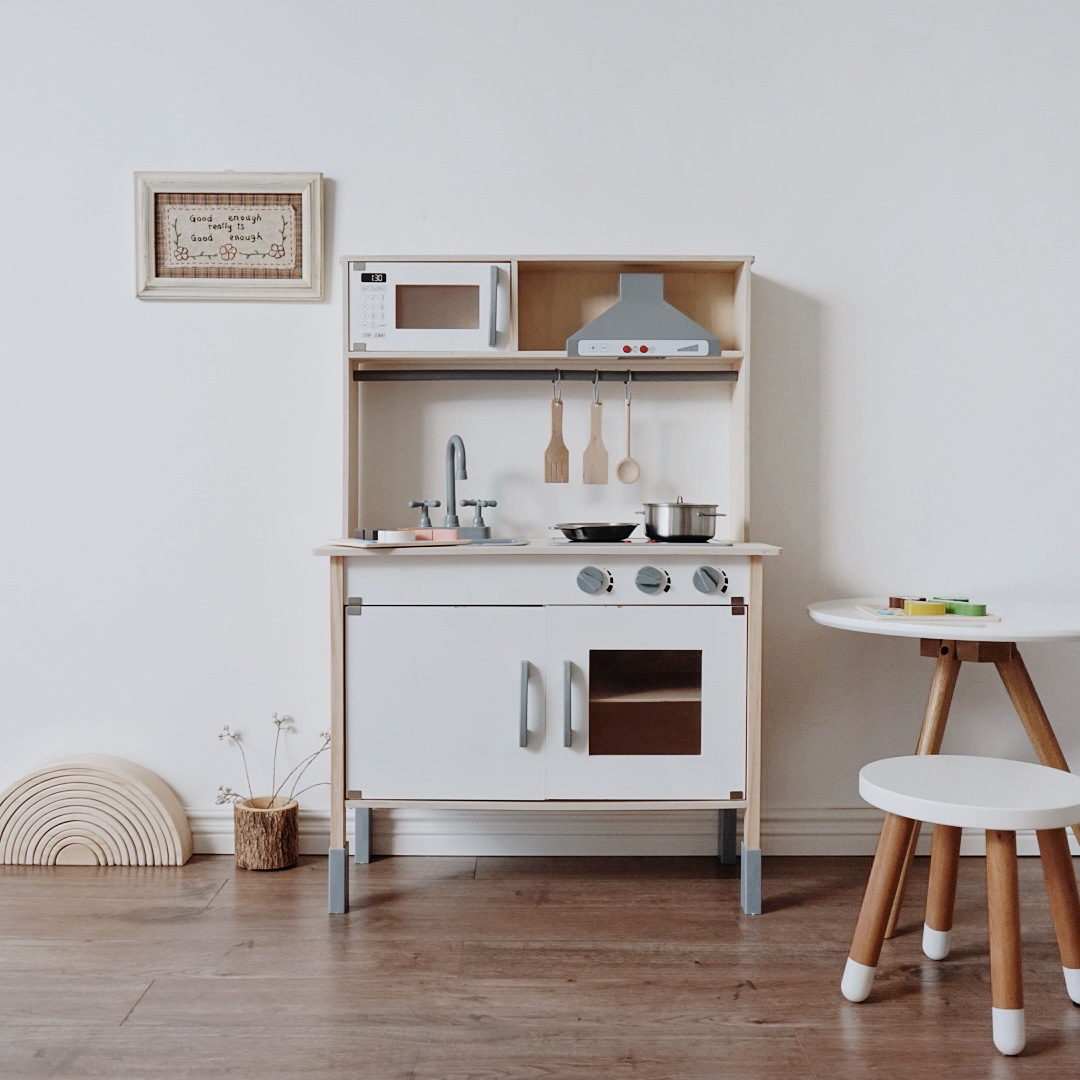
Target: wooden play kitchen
556,673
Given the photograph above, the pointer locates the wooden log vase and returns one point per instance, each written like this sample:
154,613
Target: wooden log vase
267,833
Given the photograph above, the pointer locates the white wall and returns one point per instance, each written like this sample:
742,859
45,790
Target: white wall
905,174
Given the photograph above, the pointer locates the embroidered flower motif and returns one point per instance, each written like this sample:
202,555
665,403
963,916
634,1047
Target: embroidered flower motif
277,251
227,252
180,254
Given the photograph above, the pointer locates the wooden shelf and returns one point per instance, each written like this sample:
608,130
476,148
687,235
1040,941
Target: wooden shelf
650,697
728,360
554,298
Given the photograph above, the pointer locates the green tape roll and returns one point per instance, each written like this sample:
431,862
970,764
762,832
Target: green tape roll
962,607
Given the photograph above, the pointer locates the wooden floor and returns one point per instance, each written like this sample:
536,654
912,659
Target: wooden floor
502,968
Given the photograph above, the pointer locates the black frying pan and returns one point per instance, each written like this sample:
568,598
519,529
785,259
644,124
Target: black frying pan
597,532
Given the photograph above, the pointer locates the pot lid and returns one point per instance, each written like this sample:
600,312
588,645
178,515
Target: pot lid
678,502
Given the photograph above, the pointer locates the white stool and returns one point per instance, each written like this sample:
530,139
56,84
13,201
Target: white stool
981,793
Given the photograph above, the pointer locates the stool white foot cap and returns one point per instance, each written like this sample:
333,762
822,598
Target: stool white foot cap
935,943
1009,1035
857,980
1072,983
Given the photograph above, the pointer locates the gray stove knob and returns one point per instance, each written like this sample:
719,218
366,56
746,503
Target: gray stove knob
591,579
652,580
709,579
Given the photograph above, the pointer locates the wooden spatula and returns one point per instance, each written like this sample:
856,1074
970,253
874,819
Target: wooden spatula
596,460
556,457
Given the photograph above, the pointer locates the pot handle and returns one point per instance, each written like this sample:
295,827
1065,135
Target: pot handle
708,513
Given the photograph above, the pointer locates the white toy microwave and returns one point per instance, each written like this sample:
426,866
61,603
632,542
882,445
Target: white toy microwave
428,306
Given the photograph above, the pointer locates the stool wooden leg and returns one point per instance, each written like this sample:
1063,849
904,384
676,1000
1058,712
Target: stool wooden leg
932,732
874,914
1025,699
1064,903
941,895
1006,971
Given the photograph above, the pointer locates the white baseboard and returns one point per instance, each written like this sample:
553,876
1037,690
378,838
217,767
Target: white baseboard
785,831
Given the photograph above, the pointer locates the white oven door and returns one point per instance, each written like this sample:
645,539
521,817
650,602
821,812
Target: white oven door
645,703
429,307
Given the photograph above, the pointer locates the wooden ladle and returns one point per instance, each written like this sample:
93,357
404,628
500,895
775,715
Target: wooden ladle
628,470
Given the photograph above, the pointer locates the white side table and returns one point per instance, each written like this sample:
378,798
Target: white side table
951,645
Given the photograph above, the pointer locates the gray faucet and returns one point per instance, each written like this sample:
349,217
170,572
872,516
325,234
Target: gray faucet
455,456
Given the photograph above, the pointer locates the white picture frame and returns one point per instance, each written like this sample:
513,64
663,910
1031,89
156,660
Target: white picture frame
228,236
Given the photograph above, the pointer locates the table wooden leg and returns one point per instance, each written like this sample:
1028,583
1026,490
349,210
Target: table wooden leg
1021,690
933,731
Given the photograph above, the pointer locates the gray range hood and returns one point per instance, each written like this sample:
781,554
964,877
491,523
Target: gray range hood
641,322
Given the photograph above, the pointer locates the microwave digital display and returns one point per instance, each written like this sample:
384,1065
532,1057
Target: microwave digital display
438,307
375,278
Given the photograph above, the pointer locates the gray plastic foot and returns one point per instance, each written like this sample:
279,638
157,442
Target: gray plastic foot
726,847
338,875
362,827
750,880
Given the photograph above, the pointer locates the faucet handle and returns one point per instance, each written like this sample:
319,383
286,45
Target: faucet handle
478,519
425,520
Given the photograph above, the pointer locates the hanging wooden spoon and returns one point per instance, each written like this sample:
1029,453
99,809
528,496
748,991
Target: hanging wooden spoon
556,457
595,463
628,470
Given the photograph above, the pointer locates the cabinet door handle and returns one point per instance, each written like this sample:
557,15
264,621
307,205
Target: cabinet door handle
568,682
523,728
493,321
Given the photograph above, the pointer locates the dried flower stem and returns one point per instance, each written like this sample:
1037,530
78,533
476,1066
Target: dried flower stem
226,794
303,767
228,733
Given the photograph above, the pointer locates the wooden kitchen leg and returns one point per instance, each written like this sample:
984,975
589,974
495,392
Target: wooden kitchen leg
750,868
338,861
362,834
726,846
1021,690
1006,962
1060,877
933,731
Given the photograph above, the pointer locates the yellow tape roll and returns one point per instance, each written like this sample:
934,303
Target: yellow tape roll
924,607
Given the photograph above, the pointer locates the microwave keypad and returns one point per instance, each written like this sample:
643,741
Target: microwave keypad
372,308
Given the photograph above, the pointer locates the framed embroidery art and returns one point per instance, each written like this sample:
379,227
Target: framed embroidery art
228,236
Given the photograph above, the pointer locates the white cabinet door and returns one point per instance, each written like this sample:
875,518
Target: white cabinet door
656,705
434,699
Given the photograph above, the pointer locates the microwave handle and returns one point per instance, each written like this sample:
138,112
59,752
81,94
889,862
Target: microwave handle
493,306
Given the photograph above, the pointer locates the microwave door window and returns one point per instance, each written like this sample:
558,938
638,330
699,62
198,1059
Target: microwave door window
437,307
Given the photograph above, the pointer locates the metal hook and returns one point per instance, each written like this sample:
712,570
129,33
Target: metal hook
596,386
556,387
629,376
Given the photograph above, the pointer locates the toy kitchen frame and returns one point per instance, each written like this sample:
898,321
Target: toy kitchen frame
545,645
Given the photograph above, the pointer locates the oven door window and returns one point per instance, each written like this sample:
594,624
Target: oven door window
644,701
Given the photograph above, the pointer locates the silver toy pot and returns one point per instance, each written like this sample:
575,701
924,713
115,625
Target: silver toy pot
680,522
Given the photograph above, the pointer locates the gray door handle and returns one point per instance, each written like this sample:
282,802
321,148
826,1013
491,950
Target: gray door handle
493,322
523,727
568,682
